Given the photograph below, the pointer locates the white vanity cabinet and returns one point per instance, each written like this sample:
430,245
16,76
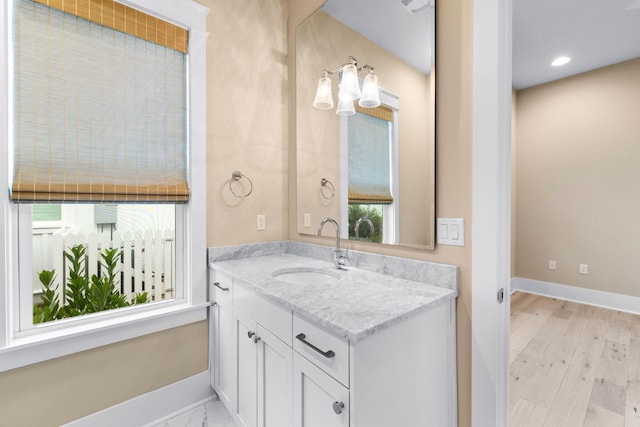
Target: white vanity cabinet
264,376
318,399
252,355
403,375
222,338
275,368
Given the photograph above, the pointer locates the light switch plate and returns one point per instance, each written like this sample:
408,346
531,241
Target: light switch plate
450,231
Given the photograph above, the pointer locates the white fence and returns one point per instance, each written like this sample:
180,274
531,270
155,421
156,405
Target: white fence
147,260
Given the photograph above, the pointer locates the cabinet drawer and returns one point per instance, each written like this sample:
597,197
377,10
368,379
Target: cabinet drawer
324,349
222,287
270,315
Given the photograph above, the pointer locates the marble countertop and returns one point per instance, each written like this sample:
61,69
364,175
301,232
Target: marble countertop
357,304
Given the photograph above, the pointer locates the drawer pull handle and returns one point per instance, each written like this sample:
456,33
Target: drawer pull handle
217,285
338,407
328,354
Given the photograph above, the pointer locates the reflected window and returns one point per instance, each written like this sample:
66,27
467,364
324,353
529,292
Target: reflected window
370,174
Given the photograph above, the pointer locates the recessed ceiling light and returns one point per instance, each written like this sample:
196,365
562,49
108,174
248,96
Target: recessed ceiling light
561,60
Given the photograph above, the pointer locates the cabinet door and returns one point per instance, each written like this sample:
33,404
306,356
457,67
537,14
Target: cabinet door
318,399
245,412
224,358
274,381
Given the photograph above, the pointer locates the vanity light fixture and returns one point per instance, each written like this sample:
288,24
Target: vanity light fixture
349,88
324,99
561,60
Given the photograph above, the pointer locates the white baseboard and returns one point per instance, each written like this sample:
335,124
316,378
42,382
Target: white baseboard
150,407
610,300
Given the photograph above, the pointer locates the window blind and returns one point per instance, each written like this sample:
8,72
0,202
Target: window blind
98,114
369,159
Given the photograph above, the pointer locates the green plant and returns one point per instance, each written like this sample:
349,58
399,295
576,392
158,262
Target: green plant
141,298
49,308
104,293
77,282
84,294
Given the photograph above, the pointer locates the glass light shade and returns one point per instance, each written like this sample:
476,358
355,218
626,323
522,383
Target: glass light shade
349,83
370,94
345,106
323,99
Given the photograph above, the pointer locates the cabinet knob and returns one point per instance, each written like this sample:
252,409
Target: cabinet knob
256,339
338,407
250,334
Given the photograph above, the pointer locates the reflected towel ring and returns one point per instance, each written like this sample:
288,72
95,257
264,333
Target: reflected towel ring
237,176
331,190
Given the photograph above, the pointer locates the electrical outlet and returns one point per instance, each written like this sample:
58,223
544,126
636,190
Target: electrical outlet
552,264
584,269
307,220
261,222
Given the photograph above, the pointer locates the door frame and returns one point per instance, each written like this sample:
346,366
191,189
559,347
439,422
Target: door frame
491,205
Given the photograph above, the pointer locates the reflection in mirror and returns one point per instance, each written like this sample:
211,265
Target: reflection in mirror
365,154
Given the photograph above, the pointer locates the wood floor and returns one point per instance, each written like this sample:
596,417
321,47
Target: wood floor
572,364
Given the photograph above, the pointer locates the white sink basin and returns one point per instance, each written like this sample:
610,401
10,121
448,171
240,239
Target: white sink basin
306,275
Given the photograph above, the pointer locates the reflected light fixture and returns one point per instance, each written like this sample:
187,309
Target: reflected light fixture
349,88
345,105
370,94
561,60
324,99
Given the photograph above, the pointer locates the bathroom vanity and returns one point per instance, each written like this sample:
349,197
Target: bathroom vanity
296,342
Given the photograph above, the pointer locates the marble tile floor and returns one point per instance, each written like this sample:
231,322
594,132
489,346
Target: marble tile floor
209,414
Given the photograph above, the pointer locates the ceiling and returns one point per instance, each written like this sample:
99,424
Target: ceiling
594,33
391,26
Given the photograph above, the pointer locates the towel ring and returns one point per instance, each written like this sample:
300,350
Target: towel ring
331,190
237,176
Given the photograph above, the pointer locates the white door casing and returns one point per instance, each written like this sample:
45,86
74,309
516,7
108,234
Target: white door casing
491,204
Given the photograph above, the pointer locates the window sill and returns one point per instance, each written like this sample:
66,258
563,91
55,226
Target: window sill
45,345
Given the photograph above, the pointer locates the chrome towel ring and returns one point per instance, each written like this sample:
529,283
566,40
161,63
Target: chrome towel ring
327,189
237,176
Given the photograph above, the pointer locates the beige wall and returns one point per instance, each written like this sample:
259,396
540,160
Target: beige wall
246,119
64,389
324,43
453,160
577,179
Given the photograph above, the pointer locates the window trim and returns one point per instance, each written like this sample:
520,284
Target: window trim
41,344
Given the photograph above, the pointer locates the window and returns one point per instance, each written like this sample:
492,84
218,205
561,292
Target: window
47,213
106,108
102,257
46,216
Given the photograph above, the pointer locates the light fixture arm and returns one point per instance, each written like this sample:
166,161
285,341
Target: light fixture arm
350,60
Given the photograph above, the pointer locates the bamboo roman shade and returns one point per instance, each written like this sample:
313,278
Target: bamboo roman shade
99,114
369,159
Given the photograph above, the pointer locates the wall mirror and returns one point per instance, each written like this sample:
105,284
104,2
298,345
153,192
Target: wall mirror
356,160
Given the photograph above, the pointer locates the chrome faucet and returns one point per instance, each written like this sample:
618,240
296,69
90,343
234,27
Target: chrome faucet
360,221
339,260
